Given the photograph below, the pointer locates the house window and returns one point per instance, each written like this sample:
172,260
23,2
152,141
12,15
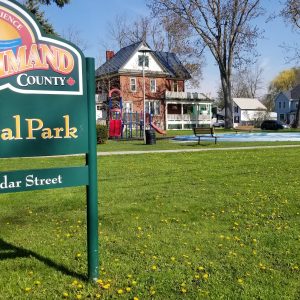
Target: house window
283,104
153,107
279,105
98,107
133,84
143,58
127,106
175,86
281,117
153,85
236,109
297,104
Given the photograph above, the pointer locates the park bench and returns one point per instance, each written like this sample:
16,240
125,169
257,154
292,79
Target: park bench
244,128
199,132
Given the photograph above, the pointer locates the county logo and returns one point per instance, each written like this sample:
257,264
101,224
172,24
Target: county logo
9,37
31,62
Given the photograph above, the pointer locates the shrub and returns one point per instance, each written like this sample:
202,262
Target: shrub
102,134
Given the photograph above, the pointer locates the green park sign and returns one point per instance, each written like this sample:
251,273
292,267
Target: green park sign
47,108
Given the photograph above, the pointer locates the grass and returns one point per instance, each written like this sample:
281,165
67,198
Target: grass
211,225
167,143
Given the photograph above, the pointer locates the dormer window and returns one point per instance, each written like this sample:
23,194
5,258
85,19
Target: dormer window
141,60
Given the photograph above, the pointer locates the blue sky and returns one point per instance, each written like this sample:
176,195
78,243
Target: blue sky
92,17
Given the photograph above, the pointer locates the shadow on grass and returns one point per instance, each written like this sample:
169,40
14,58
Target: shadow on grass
9,251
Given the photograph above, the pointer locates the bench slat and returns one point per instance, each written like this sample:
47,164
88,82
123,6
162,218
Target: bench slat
199,131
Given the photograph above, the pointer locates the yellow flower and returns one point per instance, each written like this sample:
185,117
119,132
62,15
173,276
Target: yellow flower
205,276
173,258
120,291
154,268
197,276
139,228
78,296
37,282
106,286
128,289
183,290
98,296
27,289
133,282
135,298
240,281
65,295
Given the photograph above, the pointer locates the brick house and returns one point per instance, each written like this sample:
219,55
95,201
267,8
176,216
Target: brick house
165,78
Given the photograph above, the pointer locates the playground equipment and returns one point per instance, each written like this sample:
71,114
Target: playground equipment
115,123
125,124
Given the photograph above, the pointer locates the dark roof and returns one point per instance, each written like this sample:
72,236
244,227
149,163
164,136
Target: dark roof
173,65
117,61
168,60
295,92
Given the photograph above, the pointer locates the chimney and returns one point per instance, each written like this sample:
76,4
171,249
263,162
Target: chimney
109,54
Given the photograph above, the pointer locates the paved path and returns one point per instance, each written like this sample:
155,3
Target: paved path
194,150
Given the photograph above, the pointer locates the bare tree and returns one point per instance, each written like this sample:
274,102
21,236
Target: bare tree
291,12
167,34
73,35
224,26
246,83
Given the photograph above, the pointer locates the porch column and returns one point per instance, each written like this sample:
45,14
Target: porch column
166,116
182,121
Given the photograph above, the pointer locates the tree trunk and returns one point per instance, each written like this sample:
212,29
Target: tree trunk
296,123
227,102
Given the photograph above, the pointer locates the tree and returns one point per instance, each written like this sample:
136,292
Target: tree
34,7
291,15
166,34
284,81
246,83
291,12
73,35
224,27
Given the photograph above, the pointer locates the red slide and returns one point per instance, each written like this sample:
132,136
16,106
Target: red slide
157,129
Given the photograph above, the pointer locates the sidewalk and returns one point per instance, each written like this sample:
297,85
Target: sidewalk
193,150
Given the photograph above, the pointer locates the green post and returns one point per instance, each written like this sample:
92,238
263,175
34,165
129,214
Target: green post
92,190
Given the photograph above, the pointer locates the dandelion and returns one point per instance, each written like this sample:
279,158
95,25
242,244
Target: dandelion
129,276
27,289
78,296
200,268
65,295
173,258
154,268
205,276
98,296
135,298
240,281
120,291
254,241
78,255
128,289
183,290
75,282
37,282
106,286
133,283
139,228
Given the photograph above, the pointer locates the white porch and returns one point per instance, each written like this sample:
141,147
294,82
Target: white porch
187,110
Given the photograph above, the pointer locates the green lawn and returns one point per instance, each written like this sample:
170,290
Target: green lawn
210,225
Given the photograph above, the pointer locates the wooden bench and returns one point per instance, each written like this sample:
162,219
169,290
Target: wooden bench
199,132
244,128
